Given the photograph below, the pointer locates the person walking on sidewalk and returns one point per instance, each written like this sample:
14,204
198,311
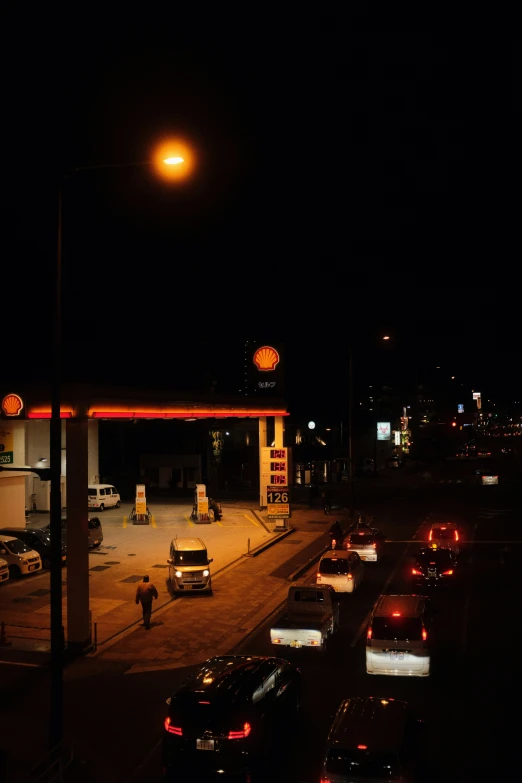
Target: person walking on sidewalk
145,592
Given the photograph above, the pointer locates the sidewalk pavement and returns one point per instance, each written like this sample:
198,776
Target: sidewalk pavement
188,631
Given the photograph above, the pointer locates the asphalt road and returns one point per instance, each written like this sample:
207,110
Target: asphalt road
468,703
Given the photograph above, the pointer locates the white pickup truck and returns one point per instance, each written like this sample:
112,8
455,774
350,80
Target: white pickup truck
310,618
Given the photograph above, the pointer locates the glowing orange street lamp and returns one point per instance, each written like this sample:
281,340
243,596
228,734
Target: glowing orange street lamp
174,160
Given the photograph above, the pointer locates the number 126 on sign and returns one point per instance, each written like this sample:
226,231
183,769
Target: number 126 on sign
278,495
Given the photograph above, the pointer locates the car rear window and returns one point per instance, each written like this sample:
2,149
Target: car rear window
403,628
94,523
199,711
331,565
361,764
365,540
439,559
439,532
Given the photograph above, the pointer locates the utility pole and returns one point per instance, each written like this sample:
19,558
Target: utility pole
350,427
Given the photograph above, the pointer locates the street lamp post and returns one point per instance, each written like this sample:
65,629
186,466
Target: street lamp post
170,157
350,428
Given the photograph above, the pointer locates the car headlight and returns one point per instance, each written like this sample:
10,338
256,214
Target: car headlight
206,572
24,561
178,574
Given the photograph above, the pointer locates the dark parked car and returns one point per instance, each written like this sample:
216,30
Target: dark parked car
39,540
228,717
434,566
95,531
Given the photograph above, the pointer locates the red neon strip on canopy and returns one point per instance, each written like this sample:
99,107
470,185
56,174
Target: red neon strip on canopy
48,415
184,414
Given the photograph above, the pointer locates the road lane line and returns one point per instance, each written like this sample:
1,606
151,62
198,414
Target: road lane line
124,521
219,523
29,665
153,521
385,586
189,522
467,601
252,520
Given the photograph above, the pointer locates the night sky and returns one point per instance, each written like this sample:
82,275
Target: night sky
347,188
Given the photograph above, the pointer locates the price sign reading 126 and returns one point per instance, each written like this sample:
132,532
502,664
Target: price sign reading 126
278,502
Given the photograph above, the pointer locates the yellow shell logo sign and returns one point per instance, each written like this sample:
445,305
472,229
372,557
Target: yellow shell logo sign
12,405
266,358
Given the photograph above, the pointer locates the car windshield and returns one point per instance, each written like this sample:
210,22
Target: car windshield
403,628
361,764
361,539
197,557
17,547
332,565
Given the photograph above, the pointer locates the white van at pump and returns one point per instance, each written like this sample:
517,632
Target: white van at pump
102,496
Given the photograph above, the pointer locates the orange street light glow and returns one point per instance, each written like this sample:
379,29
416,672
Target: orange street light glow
174,160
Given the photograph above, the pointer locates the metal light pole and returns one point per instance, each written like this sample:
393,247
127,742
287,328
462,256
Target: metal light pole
350,427
57,638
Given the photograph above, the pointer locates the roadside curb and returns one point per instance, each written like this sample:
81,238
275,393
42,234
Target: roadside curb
267,544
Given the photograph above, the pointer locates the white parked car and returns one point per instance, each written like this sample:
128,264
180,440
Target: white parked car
4,570
21,559
102,496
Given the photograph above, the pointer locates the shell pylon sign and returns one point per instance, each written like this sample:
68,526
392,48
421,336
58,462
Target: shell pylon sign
266,358
12,405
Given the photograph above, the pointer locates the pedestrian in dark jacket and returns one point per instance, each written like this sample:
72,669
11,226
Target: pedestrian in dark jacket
145,592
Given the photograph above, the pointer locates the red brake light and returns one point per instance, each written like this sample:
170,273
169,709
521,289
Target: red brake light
369,632
349,576
431,535
456,536
396,614
424,634
447,573
443,527
362,747
416,572
374,546
240,734
173,729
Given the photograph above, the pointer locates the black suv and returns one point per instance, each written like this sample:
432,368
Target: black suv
39,540
434,566
227,717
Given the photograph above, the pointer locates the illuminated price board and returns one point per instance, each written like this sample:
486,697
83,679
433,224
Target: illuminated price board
278,502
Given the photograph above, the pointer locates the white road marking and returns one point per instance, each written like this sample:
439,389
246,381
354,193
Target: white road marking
29,665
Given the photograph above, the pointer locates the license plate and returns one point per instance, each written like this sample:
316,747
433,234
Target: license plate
64,557
33,567
188,587
204,744
432,573
397,656
295,644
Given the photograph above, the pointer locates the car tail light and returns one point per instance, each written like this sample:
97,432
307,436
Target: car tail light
374,546
456,536
424,634
173,729
276,641
319,577
447,573
314,643
416,572
431,535
369,634
362,747
396,614
334,543
326,780
349,577
240,734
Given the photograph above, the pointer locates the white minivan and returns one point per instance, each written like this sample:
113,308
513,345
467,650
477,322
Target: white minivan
102,496
397,639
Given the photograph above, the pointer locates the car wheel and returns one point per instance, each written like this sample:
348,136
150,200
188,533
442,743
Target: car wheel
118,504
14,572
102,507
46,562
210,591
95,546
